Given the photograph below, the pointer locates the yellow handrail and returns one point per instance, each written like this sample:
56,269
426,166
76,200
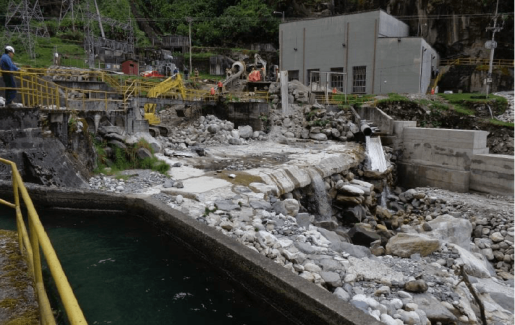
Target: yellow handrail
30,245
477,61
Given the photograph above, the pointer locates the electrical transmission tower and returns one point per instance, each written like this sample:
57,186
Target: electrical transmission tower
18,22
66,7
93,44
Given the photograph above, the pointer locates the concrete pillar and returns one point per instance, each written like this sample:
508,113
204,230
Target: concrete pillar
284,92
97,118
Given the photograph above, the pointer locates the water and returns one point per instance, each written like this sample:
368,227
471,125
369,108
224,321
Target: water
384,194
124,272
490,110
323,205
376,154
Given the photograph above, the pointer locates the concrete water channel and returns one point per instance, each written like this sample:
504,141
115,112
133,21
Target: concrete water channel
134,260
125,271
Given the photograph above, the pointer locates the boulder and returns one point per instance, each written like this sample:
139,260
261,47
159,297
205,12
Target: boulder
351,190
266,239
354,214
362,234
213,128
434,310
304,219
353,250
117,144
287,207
405,245
143,153
331,278
264,188
342,294
452,230
330,235
226,205
474,264
245,131
264,205
318,136
416,286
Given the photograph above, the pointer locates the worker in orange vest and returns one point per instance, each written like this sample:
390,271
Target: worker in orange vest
212,91
220,87
334,91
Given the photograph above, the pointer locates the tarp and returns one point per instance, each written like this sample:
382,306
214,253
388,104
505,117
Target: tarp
255,76
153,74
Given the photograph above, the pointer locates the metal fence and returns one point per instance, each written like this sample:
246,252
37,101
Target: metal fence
30,244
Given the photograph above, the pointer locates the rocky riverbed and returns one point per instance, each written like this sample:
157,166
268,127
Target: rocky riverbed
304,195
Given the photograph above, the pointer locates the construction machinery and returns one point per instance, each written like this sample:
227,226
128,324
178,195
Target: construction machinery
171,87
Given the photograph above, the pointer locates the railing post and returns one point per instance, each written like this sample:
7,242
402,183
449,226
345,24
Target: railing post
57,98
36,258
17,204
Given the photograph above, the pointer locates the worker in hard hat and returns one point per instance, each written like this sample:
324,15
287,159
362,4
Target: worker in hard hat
6,64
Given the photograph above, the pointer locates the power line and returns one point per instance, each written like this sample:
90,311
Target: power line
291,19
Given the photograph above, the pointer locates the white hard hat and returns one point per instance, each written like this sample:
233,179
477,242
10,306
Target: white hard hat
9,48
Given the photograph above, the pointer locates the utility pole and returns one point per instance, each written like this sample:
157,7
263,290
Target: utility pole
189,19
492,45
100,20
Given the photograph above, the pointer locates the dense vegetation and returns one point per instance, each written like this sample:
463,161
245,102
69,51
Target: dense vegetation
215,22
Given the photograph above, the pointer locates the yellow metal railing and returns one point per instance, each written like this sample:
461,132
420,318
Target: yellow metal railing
37,91
30,244
477,61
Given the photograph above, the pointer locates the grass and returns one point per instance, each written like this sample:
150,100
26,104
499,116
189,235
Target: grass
72,52
460,109
123,159
393,98
501,123
353,100
439,106
460,102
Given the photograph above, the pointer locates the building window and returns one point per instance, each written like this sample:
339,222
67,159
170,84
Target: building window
337,79
293,75
313,76
359,79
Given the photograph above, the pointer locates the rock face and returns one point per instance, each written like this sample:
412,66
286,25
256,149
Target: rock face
40,160
405,245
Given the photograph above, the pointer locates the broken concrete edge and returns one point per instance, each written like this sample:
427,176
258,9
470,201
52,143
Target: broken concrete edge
292,295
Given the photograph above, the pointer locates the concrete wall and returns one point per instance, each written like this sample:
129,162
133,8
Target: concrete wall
384,122
390,26
404,66
456,160
319,43
366,39
492,174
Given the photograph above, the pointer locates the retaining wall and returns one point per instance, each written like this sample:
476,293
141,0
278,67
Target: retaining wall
456,160
299,299
384,122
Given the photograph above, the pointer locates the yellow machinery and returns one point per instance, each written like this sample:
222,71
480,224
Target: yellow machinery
162,89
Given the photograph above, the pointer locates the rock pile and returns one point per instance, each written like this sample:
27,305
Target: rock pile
209,130
507,116
307,119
